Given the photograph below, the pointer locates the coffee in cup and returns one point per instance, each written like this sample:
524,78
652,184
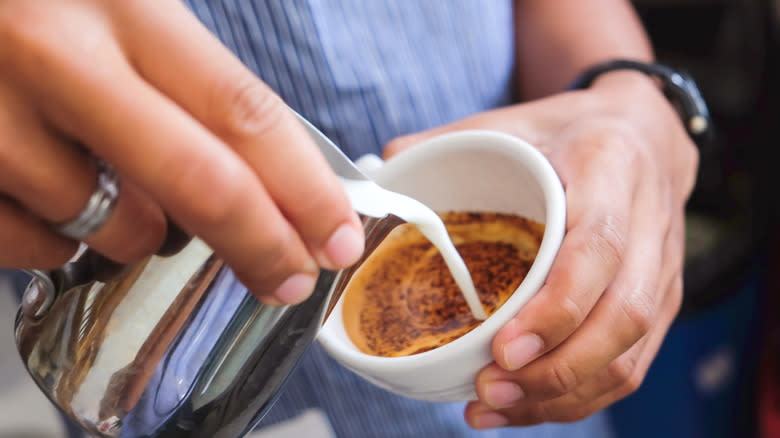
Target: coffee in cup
465,171
403,300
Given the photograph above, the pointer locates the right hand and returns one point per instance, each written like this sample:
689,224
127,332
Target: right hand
195,136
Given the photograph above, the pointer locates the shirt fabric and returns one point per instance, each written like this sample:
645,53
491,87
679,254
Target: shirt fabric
365,72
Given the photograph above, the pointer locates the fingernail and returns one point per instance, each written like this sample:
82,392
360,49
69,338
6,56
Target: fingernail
295,289
502,394
344,247
490,420
521,350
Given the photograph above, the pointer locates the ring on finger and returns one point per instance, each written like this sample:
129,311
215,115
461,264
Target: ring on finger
98,208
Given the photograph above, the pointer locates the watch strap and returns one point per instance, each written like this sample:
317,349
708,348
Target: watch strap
678,87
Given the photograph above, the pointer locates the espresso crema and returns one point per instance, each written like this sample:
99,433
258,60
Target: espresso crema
403,299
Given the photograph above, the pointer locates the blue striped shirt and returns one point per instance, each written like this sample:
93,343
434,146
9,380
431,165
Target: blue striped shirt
366,71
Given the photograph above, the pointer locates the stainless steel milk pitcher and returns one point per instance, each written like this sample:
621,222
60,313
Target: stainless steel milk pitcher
170,347
173,346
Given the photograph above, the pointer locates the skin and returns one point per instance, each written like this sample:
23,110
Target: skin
198,140
202,143
628,167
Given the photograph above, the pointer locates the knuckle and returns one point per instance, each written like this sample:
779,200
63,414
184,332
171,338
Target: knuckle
218,189
250,109
612,146
217,208
607,240
562,379
606,143
622,370
630,384
639,310
570,314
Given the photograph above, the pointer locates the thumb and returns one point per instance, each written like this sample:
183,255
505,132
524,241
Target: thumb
512,120
399,144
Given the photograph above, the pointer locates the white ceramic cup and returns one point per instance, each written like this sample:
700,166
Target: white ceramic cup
462,171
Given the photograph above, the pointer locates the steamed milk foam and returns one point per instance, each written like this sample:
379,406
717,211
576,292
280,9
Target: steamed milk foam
378,202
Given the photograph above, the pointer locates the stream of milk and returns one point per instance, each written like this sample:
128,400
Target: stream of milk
369,198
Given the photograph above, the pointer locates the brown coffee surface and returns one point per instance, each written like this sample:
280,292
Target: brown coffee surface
403,299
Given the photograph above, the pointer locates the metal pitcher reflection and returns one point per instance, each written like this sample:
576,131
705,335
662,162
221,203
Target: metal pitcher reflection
173,346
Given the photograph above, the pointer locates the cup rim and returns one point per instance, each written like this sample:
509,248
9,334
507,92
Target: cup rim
555,224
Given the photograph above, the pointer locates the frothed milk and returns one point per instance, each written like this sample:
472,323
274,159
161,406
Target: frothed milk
376,201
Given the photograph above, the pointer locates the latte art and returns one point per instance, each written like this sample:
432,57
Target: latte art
403,299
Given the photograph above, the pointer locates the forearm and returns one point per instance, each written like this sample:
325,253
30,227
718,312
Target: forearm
555,40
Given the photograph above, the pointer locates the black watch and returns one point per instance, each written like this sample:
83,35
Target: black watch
678,87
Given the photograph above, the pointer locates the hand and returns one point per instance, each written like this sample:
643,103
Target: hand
195,136
588,336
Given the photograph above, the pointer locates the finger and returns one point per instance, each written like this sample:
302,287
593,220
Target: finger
482,417
619,380
532,122
493,384
622,316
54,179
590,256
199,181
175,239
511,120
27,242
233,103
623,377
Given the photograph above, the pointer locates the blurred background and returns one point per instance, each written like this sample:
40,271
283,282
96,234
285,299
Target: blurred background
718,372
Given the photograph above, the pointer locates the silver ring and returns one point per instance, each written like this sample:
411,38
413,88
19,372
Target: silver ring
98,208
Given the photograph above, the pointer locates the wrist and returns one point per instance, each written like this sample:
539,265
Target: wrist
629,92
633,82
622,82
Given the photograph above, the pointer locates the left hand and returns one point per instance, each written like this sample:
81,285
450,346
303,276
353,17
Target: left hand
587,338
